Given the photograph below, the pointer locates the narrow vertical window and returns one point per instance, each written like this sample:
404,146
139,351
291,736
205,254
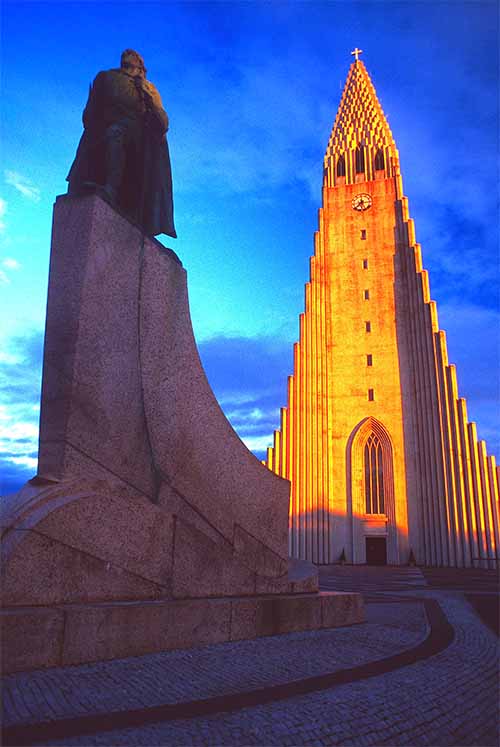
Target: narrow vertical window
360,159
371,395
368,326
341,166
363,236
374,476
369,360
380,470
379,160
368,487
365,264
367,295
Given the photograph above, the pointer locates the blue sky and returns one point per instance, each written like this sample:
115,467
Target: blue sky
252,89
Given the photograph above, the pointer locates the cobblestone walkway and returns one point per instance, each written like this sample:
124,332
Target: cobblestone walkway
448,699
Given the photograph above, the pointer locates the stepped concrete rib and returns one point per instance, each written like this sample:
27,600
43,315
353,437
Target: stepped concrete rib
149,526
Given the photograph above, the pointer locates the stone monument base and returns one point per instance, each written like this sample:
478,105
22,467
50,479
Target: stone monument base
90,574
81,633
150,525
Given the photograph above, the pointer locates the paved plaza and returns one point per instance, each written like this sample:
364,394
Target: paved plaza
422,670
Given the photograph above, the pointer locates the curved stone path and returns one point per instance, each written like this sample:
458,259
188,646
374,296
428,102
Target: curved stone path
445,696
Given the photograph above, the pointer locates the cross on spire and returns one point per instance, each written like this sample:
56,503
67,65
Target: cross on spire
356,52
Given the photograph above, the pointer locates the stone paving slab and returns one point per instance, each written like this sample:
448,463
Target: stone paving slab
219,669
449,700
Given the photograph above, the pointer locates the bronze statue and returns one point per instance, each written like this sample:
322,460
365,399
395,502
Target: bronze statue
123,152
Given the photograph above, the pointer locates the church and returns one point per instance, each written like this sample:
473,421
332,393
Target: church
384,465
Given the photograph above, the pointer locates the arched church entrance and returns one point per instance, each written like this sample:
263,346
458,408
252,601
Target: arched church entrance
370,485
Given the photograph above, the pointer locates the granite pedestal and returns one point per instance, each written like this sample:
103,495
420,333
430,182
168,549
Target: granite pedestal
150,525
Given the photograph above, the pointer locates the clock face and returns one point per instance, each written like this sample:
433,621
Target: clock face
362,202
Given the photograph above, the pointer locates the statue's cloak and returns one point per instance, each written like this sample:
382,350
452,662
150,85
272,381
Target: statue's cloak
146,191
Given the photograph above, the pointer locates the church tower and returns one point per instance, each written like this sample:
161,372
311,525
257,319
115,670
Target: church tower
375,440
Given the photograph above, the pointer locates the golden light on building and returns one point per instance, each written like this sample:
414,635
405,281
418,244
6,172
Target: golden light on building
375,439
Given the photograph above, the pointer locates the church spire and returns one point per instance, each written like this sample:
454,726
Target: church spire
361,146
375,439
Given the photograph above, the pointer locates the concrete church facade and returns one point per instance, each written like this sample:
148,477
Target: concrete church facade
383,463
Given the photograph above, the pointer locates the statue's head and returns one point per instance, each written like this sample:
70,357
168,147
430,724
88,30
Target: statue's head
132,62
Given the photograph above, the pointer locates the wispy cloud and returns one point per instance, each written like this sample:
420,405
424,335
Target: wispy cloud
258,444
11,264
270,120
249,378
473,335
469,319
20,373
23,185
25,461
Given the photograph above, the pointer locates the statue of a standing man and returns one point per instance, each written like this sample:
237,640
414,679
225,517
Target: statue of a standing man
123,151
